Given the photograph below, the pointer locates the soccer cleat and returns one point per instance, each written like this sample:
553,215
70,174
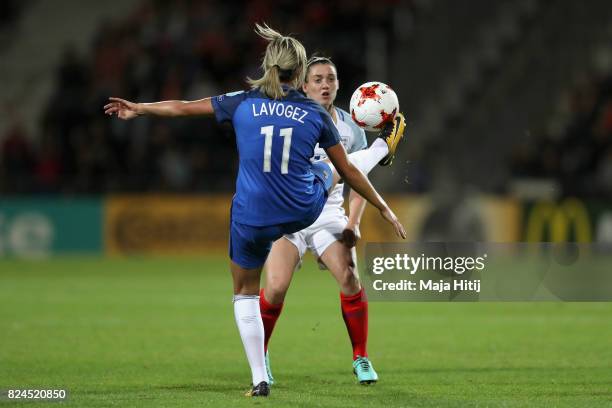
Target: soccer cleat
260,390
363,369
268,370
393,138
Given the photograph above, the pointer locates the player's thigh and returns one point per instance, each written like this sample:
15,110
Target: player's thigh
249,246
248,249
342,263
280,265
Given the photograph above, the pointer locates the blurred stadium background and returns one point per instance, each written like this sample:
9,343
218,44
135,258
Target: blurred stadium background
509,109
508,102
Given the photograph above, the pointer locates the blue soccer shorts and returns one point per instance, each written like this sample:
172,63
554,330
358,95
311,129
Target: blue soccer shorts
249,245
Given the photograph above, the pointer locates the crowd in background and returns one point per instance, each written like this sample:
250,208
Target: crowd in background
192,49
577,152
10,11
169,50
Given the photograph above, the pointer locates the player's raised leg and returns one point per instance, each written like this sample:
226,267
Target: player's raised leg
381,151
340,260
393,138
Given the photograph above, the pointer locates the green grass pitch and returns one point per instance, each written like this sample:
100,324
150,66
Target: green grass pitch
160,332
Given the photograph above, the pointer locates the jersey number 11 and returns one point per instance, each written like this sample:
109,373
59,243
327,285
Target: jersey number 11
268,132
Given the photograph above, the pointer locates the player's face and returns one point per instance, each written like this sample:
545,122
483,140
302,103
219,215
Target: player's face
322,84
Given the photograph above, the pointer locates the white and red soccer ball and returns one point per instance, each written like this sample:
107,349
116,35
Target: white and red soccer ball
373,104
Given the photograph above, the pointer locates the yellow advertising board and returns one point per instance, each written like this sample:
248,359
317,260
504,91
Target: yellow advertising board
186,225
566,221
497,219
410,210
191,225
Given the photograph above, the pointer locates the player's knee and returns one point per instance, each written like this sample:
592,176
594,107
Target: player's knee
245,284
246,288
275,291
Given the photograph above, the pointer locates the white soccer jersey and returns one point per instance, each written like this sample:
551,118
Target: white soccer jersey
353,139
328,228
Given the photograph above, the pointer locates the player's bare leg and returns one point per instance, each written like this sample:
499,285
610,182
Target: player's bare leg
341,262
280,266
250,325
246,281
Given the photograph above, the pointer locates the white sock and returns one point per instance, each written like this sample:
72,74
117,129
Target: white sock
250,326
366,160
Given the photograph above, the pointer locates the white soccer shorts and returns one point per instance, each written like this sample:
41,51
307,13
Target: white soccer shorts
326,230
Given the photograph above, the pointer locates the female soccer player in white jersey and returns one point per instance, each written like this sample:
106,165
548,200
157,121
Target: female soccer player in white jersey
278,190
332,236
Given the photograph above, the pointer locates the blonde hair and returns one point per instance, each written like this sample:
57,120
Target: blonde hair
285,60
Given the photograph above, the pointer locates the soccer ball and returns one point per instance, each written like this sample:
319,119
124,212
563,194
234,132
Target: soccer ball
373,104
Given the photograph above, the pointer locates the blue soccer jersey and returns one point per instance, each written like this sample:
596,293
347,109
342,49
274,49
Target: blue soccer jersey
275,139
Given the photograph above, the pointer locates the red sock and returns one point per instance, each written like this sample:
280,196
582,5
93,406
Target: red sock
269,315
355,314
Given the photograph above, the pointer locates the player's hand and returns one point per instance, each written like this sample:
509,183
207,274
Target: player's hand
123,109
388,215
351,235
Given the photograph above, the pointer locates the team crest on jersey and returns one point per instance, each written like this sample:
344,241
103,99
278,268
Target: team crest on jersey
221,97
345,141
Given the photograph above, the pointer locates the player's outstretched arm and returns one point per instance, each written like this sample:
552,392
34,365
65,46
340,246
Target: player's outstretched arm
351,233
127,110
360,183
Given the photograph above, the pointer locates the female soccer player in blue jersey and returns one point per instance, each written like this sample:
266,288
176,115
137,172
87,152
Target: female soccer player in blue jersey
278,190
331,238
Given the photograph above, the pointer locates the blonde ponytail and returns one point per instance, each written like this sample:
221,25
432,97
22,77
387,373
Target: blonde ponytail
285,60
